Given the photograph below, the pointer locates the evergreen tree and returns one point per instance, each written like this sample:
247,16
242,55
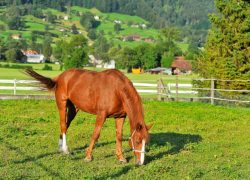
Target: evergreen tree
227,51
47,49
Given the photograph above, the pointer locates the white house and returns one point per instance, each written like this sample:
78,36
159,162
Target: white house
117,22
66,18
98,63
109,65
97,18
35,58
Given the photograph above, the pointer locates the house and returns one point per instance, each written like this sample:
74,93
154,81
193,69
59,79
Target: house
133,37
159,70
16,36
98,63
148,40
109,65
66,18
135,25
117,22
34,56
180,65
144,26
97,18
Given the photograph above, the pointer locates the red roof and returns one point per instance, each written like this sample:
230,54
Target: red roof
181,64
30,52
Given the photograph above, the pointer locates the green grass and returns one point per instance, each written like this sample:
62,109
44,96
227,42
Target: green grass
188,141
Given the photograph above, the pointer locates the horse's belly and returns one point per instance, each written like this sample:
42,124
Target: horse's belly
112,106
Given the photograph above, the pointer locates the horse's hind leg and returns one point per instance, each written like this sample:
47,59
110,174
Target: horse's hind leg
71,112
98,126
67,113
119,125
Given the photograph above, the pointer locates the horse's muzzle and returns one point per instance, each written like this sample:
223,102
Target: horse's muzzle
139,163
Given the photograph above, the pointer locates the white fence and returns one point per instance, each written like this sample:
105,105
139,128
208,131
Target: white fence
164,89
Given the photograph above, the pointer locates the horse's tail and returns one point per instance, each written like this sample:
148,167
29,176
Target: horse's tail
48,83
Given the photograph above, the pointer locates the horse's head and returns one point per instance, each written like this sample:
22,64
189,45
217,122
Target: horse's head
138,140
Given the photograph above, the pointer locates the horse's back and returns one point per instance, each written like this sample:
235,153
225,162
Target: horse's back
95,91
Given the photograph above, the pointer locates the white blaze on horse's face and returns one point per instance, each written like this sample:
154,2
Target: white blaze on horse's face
142,152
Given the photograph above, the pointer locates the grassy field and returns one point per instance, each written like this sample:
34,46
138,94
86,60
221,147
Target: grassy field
188,141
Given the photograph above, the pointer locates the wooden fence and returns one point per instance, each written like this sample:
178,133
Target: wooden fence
171,89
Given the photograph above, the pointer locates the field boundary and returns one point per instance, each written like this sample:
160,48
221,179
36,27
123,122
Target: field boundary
171,89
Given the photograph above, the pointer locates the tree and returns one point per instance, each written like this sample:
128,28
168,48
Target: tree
74,29
117,27
73,53
47,49
92,34
145,56
101,48
14,55
227,52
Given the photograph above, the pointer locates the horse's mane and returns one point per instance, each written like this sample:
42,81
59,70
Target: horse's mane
133,105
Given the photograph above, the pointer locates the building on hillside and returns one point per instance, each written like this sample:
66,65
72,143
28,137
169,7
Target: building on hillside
66,18
148,40
34,56
133,37
144,26
97,18
117,22
16,36
181,66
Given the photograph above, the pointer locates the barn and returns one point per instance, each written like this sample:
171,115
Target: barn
180,65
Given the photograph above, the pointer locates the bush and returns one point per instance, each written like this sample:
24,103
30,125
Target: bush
47,67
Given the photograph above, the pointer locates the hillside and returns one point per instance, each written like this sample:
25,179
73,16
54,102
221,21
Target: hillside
62,26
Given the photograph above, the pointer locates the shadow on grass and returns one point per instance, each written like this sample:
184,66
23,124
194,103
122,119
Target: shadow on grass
176,140
28,158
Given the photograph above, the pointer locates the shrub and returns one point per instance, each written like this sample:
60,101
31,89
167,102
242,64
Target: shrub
47,67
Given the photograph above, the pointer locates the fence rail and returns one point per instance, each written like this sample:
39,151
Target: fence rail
163,89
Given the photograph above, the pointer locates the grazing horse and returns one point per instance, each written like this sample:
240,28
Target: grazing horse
105,94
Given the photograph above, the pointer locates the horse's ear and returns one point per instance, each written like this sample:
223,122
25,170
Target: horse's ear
149,126
138,127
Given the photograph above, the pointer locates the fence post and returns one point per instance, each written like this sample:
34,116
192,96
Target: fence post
14,86
159,90
212,91
177,88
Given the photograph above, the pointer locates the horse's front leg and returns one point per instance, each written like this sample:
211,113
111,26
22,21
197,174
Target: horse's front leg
119,125
98,126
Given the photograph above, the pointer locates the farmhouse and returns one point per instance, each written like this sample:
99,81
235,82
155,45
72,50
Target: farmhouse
16,36
133,37
180,65
34,56
97,18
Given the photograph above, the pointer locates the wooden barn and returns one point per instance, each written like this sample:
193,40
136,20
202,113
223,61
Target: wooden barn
180,65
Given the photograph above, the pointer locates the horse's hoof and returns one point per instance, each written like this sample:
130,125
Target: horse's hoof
64,151
123,161
88,159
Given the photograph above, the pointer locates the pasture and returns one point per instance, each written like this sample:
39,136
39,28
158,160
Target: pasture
188,141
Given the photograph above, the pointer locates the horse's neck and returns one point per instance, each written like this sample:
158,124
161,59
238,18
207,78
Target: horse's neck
136,116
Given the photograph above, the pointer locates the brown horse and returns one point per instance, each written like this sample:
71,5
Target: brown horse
106,94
